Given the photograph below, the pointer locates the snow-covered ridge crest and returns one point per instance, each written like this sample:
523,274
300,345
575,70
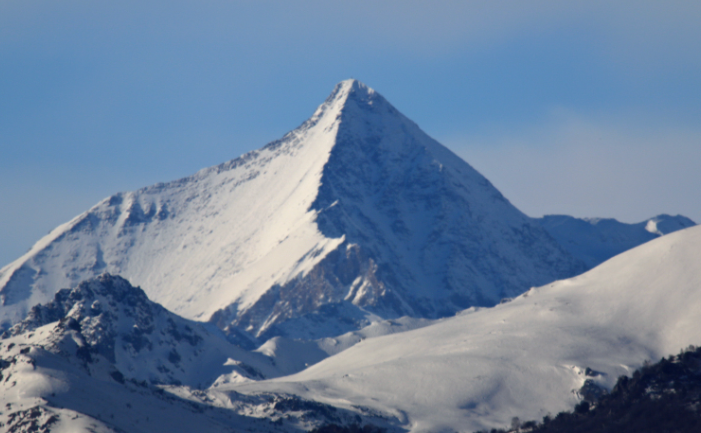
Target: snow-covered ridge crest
355,216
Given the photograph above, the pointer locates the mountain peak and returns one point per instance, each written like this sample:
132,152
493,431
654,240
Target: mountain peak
356,214
350,98
352,88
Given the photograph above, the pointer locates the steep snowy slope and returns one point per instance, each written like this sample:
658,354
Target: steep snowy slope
525,358
354,216
595,240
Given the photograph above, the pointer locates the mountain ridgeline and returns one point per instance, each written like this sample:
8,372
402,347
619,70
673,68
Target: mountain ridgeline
354,217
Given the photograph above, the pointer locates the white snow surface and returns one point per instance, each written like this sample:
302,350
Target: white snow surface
355,216
524,358
46,390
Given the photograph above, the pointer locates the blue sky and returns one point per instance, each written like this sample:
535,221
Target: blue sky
584,108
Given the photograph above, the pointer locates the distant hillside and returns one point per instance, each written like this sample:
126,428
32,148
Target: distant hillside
595,240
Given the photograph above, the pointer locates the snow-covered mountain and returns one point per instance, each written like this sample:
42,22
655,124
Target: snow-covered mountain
595,240
101,357
354,216
105,321
534,356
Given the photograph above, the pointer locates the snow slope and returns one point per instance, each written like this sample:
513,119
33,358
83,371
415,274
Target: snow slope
595,240
355,216
50,388
114,323
101,357
47,391
525,358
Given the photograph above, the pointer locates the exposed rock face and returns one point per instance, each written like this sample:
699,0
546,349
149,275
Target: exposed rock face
354,216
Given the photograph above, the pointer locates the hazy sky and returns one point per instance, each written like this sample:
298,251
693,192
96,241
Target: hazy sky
587,108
